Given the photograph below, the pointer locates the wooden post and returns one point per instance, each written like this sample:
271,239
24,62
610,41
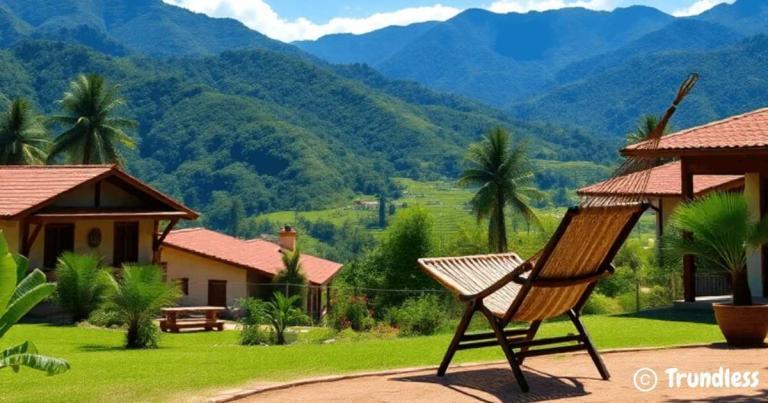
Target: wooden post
764,248
689,266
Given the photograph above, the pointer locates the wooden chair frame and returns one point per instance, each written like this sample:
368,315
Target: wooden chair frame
517,343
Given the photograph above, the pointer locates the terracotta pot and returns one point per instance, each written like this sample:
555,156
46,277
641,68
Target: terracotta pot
742,326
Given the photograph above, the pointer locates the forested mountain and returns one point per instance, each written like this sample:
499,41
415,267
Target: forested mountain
733,80
497,58
119,26
272,129
748,17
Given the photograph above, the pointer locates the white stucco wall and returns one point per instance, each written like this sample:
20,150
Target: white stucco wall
754,257
11,231
199,270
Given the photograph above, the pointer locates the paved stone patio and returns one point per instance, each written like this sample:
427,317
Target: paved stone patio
566,377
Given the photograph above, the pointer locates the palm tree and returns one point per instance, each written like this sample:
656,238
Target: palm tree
93,132
281,313
645,127
138,298
83,284
23,138
503,175
20,292
292,274
722,230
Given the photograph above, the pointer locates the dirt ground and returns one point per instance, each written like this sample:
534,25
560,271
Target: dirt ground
559,378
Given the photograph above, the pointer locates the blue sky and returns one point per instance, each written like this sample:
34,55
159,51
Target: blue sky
291,20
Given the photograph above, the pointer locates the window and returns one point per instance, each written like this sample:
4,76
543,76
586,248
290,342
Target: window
217,293
126,243
59,238
183,285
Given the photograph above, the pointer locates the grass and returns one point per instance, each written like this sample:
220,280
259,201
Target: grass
198,364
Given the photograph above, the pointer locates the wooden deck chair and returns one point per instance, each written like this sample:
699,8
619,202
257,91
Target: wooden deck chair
558,281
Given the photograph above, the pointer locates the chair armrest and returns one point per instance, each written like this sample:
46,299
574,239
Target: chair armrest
512,276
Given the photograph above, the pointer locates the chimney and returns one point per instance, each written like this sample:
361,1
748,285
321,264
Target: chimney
287,238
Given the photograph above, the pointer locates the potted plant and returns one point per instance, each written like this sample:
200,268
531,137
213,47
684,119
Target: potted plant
722,231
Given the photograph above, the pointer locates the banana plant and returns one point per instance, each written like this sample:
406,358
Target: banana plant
19,293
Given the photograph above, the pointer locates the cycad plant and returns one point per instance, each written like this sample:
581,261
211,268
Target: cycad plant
503,177
93,132
292,276
722,231
83,284
138,298
282,312
23,138
19,293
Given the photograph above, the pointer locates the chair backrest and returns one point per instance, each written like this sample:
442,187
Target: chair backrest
583,246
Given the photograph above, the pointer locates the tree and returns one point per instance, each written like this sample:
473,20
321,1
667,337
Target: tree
235,217
19,294
281,313
503,176
722,230
23,138
138,298
644,128
83,284
93,134
292,275
382,211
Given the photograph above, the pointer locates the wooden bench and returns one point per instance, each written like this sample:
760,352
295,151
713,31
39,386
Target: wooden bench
173,321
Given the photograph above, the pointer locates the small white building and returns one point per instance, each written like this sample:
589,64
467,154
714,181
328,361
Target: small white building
217,269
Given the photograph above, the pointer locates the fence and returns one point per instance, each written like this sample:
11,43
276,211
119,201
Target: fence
712,284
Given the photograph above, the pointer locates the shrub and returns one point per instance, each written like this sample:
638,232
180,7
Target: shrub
106,316
351,311
139,296
83,284
281,313
418,316
252,321
599,304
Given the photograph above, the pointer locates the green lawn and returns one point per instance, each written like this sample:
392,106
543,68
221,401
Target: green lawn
198,363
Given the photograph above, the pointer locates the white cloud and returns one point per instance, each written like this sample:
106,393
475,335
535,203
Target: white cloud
522,6
258,15
698,7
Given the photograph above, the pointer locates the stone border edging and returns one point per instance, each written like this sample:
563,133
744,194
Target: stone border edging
243,393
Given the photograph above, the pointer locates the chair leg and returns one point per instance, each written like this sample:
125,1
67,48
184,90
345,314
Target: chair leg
529,336
590,347
511,357
460,330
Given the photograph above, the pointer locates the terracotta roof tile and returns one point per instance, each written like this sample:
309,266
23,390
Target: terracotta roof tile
24,187
748,130
664,180
255,254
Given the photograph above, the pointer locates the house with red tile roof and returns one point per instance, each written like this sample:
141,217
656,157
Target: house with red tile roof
95,209
217,269
711,157
663,189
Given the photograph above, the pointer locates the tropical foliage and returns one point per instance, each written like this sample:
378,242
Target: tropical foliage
93,133
83,284
292,276
722,231
281,312
503,177
19,293
23,137
645,127
138,298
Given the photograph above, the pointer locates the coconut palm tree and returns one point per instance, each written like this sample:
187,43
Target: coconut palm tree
20,292
23,138
722,230
292,275
503,176
138,298
93,132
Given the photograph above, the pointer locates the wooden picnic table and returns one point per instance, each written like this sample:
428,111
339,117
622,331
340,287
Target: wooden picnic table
174,321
